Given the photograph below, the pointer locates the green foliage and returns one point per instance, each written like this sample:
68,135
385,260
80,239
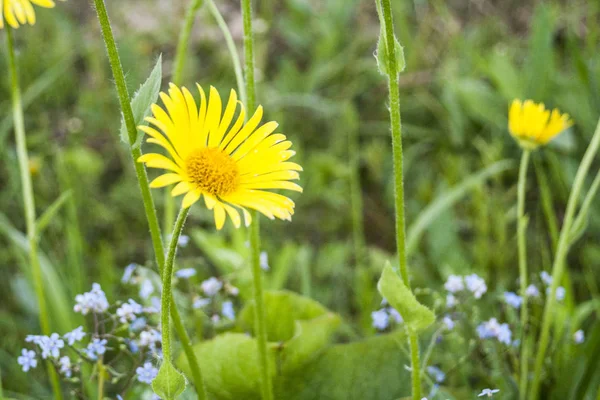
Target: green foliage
416,316
141,101
169,383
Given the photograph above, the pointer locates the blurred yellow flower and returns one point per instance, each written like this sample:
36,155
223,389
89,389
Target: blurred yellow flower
532,125
20,12
223,159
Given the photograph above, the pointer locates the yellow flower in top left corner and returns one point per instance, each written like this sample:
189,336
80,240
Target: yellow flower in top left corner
20,12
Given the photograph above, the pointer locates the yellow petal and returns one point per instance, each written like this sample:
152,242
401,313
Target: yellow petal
246,130
165,180
219,216
180,188
213,118
190,198
253,140
234,215
217,138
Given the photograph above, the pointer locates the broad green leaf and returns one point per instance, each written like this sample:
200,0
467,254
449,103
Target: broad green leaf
374,369
283,309
229,364
382,49
416,316
169,383
146,95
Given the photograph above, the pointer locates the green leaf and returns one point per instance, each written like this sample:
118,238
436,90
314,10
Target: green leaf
50,212
283,309
146,95
373,369
382,55
229,364
169,383
415,315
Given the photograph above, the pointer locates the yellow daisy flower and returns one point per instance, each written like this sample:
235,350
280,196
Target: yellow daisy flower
219,157
532,125
20,12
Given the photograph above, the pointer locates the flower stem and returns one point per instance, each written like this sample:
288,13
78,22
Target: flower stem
167,277
559,260
153,224
28,202
180,57
260,321
396,126
101,370
521,233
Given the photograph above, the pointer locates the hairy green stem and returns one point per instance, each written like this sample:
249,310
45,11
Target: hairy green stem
237,67
560,260
180,58
260,320
167,278
153,224
396,126
101,372
522,247
28,202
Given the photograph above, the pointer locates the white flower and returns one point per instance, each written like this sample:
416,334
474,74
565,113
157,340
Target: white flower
532,291
128,273
51,346
65,366
94,300
147,373
146,288
579,336
264,261
451,301
392,312
454,284
227,310
185,273
449,323
476,285
200,302
513,299
437,374
127,312
488,392
150,338
27,360
96,348
381,319
75,335
211,286
546,278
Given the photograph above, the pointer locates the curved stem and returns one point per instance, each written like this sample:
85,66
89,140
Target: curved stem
396,125
28,202
560,259
259,301
522,240
153,224
167,278
239,77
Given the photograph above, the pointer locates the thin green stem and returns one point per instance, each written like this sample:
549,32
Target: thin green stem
260,320
153,224
396,125
180,58
167,278
522,245
560,260
235,59
101,369
28,202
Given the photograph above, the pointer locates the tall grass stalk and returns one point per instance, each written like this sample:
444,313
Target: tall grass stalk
153,224
180,58
522,247
29,203
396,127
558,266
260,320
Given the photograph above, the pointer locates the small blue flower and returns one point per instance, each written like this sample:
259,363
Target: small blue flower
381,319
185,273
27,360
546,278
264,261
476,285
449,322
128,273
94,301
504,335
211,286
392,312
183,241
146,288
138,324
532,291
127,312
451,301
65,366
488,392
437,374
227,310
579,336
75,335
147,373
560,293
96,348
51,346
454,284
513,299
200,303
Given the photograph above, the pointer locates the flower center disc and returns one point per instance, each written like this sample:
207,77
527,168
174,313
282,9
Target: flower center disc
212,171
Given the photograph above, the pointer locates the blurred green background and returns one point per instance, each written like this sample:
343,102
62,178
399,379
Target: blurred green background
466,60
